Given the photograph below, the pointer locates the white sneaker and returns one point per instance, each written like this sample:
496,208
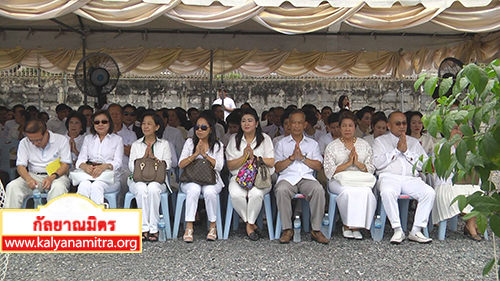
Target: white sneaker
357,235
347,233
398,237
419,237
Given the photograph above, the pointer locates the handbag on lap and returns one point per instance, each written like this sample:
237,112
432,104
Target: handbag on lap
246,174
199,171
149,170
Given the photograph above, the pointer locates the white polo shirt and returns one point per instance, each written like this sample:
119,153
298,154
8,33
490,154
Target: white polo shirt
36,159
174,136
297,170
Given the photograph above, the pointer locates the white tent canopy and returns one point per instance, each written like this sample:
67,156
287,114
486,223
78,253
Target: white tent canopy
339,36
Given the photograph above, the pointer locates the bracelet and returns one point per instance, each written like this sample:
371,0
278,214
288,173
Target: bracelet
303,159
290,158
56,174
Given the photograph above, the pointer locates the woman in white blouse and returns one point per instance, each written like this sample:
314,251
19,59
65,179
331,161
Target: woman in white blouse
446,191
348,153
75,124
247,143
101,150
146,194
415,129
203,145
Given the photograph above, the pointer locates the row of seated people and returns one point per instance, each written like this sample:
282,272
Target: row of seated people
295,157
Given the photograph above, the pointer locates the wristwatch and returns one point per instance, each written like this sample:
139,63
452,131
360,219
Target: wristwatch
57,175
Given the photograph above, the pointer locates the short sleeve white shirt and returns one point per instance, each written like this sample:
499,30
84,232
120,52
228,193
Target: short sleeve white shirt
36,159
110,150
296,170
264,150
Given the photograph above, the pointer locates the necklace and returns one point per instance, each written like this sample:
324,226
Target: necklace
343,140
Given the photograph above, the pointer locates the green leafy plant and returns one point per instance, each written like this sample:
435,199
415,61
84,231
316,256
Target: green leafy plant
472,101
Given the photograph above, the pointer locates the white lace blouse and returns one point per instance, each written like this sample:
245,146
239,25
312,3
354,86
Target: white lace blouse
337,154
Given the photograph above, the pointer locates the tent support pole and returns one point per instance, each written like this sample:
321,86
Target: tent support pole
402,97
211,76
84,53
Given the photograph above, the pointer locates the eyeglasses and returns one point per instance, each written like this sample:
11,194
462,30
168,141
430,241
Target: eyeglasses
400,123
129,113
104,122
202,127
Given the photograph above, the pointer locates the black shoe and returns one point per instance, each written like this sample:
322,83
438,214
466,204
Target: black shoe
259,232
253,236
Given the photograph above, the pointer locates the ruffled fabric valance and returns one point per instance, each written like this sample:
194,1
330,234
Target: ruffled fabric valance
291,17
143,61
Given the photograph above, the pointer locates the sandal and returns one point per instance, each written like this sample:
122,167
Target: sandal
145,236
153,237
188,236
212,234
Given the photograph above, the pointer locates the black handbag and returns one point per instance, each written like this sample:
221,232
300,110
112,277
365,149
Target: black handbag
199,171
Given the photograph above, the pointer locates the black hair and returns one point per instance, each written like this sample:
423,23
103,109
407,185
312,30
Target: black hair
347,115
299,111
158,121
326,108
80,117
15,107
362,112
286,115
234,118
291,107
26,115
263,115
32,108
377,118
311,117
182,116
40,114
341,101
191,110
115,104
85,107
129,106
409,116
258,131
101,112
61,107
209,116
3,108
332,118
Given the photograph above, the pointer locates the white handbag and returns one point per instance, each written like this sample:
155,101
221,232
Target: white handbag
80,175
355,179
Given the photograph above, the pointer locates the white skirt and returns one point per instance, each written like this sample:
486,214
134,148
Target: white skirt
356,204
445,193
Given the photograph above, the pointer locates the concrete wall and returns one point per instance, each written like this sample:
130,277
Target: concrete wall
383,94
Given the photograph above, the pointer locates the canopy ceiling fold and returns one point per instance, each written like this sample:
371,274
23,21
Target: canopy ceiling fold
430,31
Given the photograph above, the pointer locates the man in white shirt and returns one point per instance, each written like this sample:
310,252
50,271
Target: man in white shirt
297,157
275,129
129,137
312,120
334,132
57,124
395,153
9,124
173,135
3,119
87,111
36,151
227,103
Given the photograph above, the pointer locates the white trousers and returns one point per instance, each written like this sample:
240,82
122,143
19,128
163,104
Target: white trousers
391,186
193,191
95,189
356,204
247,210
18,189
148,197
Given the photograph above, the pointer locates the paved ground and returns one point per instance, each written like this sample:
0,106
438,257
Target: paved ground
456,258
